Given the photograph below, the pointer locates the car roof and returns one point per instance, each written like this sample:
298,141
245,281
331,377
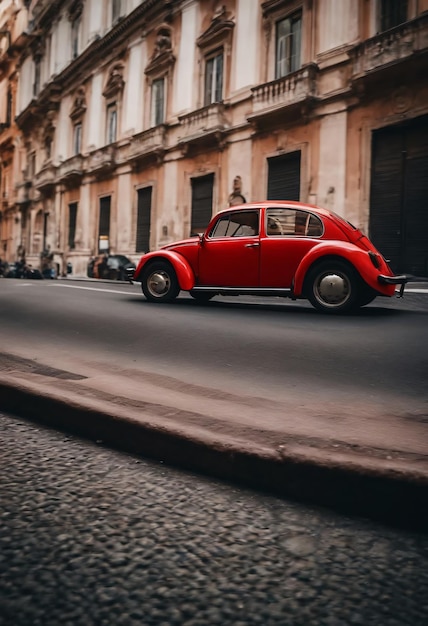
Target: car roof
278,204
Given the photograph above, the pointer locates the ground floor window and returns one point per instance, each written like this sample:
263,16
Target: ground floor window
144,209
284,177
202,203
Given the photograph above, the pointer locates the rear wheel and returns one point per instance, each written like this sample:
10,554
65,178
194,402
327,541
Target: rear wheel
159,282
332,286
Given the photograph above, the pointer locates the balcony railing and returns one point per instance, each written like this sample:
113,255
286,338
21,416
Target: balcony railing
390,47
45,178
210,120
24,192
152,141
282,93
71,169
101,160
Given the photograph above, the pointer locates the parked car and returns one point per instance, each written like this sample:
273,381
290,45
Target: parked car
272,248
22,270
111,266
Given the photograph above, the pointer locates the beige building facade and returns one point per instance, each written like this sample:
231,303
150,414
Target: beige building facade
125,125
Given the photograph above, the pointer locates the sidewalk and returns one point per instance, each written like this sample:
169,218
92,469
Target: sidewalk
376,465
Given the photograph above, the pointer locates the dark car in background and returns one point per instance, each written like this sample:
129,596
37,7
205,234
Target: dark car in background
110,266
21,270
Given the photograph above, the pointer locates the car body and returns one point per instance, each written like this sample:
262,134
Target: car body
110,266
272,248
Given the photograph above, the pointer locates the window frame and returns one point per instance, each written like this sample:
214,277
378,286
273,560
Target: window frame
388,15
77,138
111,122
116,11
213,89
157,116
292,43
75,37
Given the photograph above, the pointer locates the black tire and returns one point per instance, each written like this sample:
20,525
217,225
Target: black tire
202,296
159,282
366,296
332,286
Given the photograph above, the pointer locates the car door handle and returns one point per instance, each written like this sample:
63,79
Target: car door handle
252,245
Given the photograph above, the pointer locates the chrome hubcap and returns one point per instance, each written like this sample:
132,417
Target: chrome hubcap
158,284
332,289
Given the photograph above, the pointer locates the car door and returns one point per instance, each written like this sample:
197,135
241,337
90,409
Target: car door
229,255
288,235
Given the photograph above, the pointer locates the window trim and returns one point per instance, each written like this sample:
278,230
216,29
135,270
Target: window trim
154,121
77,137
111,122
211,96
293,18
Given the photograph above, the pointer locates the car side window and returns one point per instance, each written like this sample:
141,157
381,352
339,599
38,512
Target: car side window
236,224
292,222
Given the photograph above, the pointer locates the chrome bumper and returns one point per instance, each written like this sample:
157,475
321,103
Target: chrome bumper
394,280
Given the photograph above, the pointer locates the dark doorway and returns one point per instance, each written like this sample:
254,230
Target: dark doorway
104,225
399,196
144,209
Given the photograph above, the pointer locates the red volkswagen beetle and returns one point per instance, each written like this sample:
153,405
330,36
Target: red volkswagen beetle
272,248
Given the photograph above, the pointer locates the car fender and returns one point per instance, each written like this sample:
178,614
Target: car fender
358,258
185,275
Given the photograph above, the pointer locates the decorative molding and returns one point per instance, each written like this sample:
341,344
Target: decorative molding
79,105
162,58
219,31
115,82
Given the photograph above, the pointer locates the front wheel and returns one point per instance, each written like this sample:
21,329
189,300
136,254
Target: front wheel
159,282
332,287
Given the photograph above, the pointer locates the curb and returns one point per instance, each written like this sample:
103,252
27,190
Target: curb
393,497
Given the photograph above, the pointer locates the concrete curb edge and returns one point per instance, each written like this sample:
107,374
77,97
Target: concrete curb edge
393,498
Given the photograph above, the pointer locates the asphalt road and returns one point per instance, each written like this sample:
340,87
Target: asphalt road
273,347
93,537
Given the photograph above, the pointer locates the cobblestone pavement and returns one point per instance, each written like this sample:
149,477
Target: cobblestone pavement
90,536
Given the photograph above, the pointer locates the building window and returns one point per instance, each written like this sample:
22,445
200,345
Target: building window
392,13
144,209
116,10
111,122
37,70
77,138
48,147
104,225
158,102
75,27
214,79
202,203
288,45
9,103
72,217
31,167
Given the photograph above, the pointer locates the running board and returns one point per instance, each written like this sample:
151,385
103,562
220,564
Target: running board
247,291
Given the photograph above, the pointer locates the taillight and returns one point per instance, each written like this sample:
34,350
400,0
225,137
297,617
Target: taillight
374,258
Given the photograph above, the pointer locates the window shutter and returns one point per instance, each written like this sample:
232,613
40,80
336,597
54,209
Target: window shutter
284,177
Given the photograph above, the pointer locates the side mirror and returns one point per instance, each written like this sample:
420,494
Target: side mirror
201,238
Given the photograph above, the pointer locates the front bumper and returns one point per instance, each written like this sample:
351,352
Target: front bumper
394,280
